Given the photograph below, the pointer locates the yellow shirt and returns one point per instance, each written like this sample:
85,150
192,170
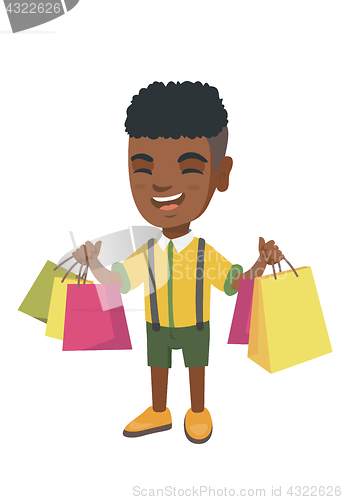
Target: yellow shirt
218,272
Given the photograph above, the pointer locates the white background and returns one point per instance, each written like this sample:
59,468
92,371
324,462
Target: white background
64,90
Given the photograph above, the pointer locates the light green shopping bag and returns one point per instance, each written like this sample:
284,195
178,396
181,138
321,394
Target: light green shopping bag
37,301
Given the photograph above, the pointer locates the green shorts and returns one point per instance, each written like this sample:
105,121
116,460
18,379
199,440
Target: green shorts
193,342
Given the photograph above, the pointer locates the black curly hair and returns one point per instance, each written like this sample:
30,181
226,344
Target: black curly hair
177,109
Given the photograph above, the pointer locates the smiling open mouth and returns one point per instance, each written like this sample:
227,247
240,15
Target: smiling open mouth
168,202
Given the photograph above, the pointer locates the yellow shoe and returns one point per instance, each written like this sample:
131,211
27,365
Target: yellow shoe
198,426
148,422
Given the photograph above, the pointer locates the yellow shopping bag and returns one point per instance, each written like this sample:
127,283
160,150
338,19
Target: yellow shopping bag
55,323
287,324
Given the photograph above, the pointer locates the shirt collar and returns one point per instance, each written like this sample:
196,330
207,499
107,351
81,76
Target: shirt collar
179,243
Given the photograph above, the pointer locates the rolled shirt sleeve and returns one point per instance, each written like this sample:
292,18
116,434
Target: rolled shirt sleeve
235,269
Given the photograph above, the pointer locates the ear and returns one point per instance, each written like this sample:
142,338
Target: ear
224,170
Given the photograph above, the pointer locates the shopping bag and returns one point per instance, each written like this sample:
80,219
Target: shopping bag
240,326
95,319
55,324
287,324
37,301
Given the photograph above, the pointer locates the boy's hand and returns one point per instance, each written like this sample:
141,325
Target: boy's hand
92,252
270,252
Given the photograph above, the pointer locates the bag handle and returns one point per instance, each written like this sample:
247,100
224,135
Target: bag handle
273,266
80,275
84,276
290,265
69,270
59,265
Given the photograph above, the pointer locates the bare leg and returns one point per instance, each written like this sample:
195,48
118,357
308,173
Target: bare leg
197,386
159,384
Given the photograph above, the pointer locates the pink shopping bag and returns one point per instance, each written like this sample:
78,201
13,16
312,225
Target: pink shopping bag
240,326
95,319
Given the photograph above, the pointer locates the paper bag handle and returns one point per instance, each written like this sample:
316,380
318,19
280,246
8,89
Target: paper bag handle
84,275
258,260
80,277
290,265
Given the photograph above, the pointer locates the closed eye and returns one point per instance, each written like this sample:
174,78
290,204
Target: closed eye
143,170
192,170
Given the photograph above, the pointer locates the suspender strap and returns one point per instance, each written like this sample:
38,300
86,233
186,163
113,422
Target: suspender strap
199,292
152,287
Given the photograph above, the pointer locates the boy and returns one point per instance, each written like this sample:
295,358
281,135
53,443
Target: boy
177,142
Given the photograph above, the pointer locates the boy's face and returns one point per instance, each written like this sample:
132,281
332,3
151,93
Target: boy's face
172,180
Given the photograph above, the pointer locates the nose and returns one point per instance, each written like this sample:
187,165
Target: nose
160,189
